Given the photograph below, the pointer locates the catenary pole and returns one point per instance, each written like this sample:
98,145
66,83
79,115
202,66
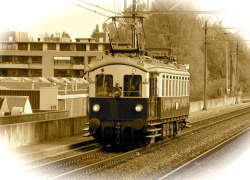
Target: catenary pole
205,69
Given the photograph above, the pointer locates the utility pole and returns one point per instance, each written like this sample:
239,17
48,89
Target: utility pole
227,68
237,59
205,69
148,5
133,26
125,5
231,75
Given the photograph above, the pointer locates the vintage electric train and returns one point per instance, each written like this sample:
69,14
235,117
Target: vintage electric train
136,100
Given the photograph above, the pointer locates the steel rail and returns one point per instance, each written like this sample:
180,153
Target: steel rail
32,162
183,168
58,164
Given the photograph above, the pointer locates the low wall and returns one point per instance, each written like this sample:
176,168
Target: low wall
77,106
37,131
211,104
22,134
33,117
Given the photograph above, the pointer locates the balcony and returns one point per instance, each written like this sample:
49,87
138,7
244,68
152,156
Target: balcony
16,66
78,66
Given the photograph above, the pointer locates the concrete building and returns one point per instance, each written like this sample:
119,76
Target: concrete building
49,58
13,36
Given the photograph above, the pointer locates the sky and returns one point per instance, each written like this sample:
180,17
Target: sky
39,16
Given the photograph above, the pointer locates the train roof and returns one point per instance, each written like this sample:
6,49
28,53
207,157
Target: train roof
146,64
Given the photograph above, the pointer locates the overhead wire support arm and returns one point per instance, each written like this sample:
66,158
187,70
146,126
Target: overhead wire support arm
175,12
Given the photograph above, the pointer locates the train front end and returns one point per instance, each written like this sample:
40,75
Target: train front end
117,103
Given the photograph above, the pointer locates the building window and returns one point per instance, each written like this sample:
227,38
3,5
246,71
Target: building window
17,72
80,47
62,73
78,73
106,47
78,60
64,47
36,46
35,73
22,46
51,46
93,47
7,59
21,60
15,59
36,60
7,46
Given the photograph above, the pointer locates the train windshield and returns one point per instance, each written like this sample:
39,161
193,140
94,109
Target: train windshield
132,86
104,85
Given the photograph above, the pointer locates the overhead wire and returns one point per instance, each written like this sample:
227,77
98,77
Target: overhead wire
176,5
87,8
99,7
161,5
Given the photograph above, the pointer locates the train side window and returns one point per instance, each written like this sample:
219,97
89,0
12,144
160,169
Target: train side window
163,85
132,86
177,86
183,86
167,86
174,86
104,85
170,86
188,86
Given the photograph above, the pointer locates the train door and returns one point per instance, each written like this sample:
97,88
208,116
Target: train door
153,94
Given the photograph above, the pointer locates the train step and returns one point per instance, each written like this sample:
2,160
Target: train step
85,129
86,123
86,135
154,129
153,135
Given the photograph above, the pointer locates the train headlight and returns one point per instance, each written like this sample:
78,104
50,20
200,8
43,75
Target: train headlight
138,108
96,107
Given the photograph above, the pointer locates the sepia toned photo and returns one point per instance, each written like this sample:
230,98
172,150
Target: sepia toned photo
124,89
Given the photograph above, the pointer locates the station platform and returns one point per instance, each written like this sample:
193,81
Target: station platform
37,151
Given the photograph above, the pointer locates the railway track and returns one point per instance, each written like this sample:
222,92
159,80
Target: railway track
87,163
179,171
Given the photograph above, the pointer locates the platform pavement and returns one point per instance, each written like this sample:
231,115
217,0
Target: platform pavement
37,151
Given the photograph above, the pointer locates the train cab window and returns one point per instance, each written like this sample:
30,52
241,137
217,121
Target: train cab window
104,85
132,86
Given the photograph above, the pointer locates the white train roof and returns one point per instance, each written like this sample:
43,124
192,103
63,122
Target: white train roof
146,64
